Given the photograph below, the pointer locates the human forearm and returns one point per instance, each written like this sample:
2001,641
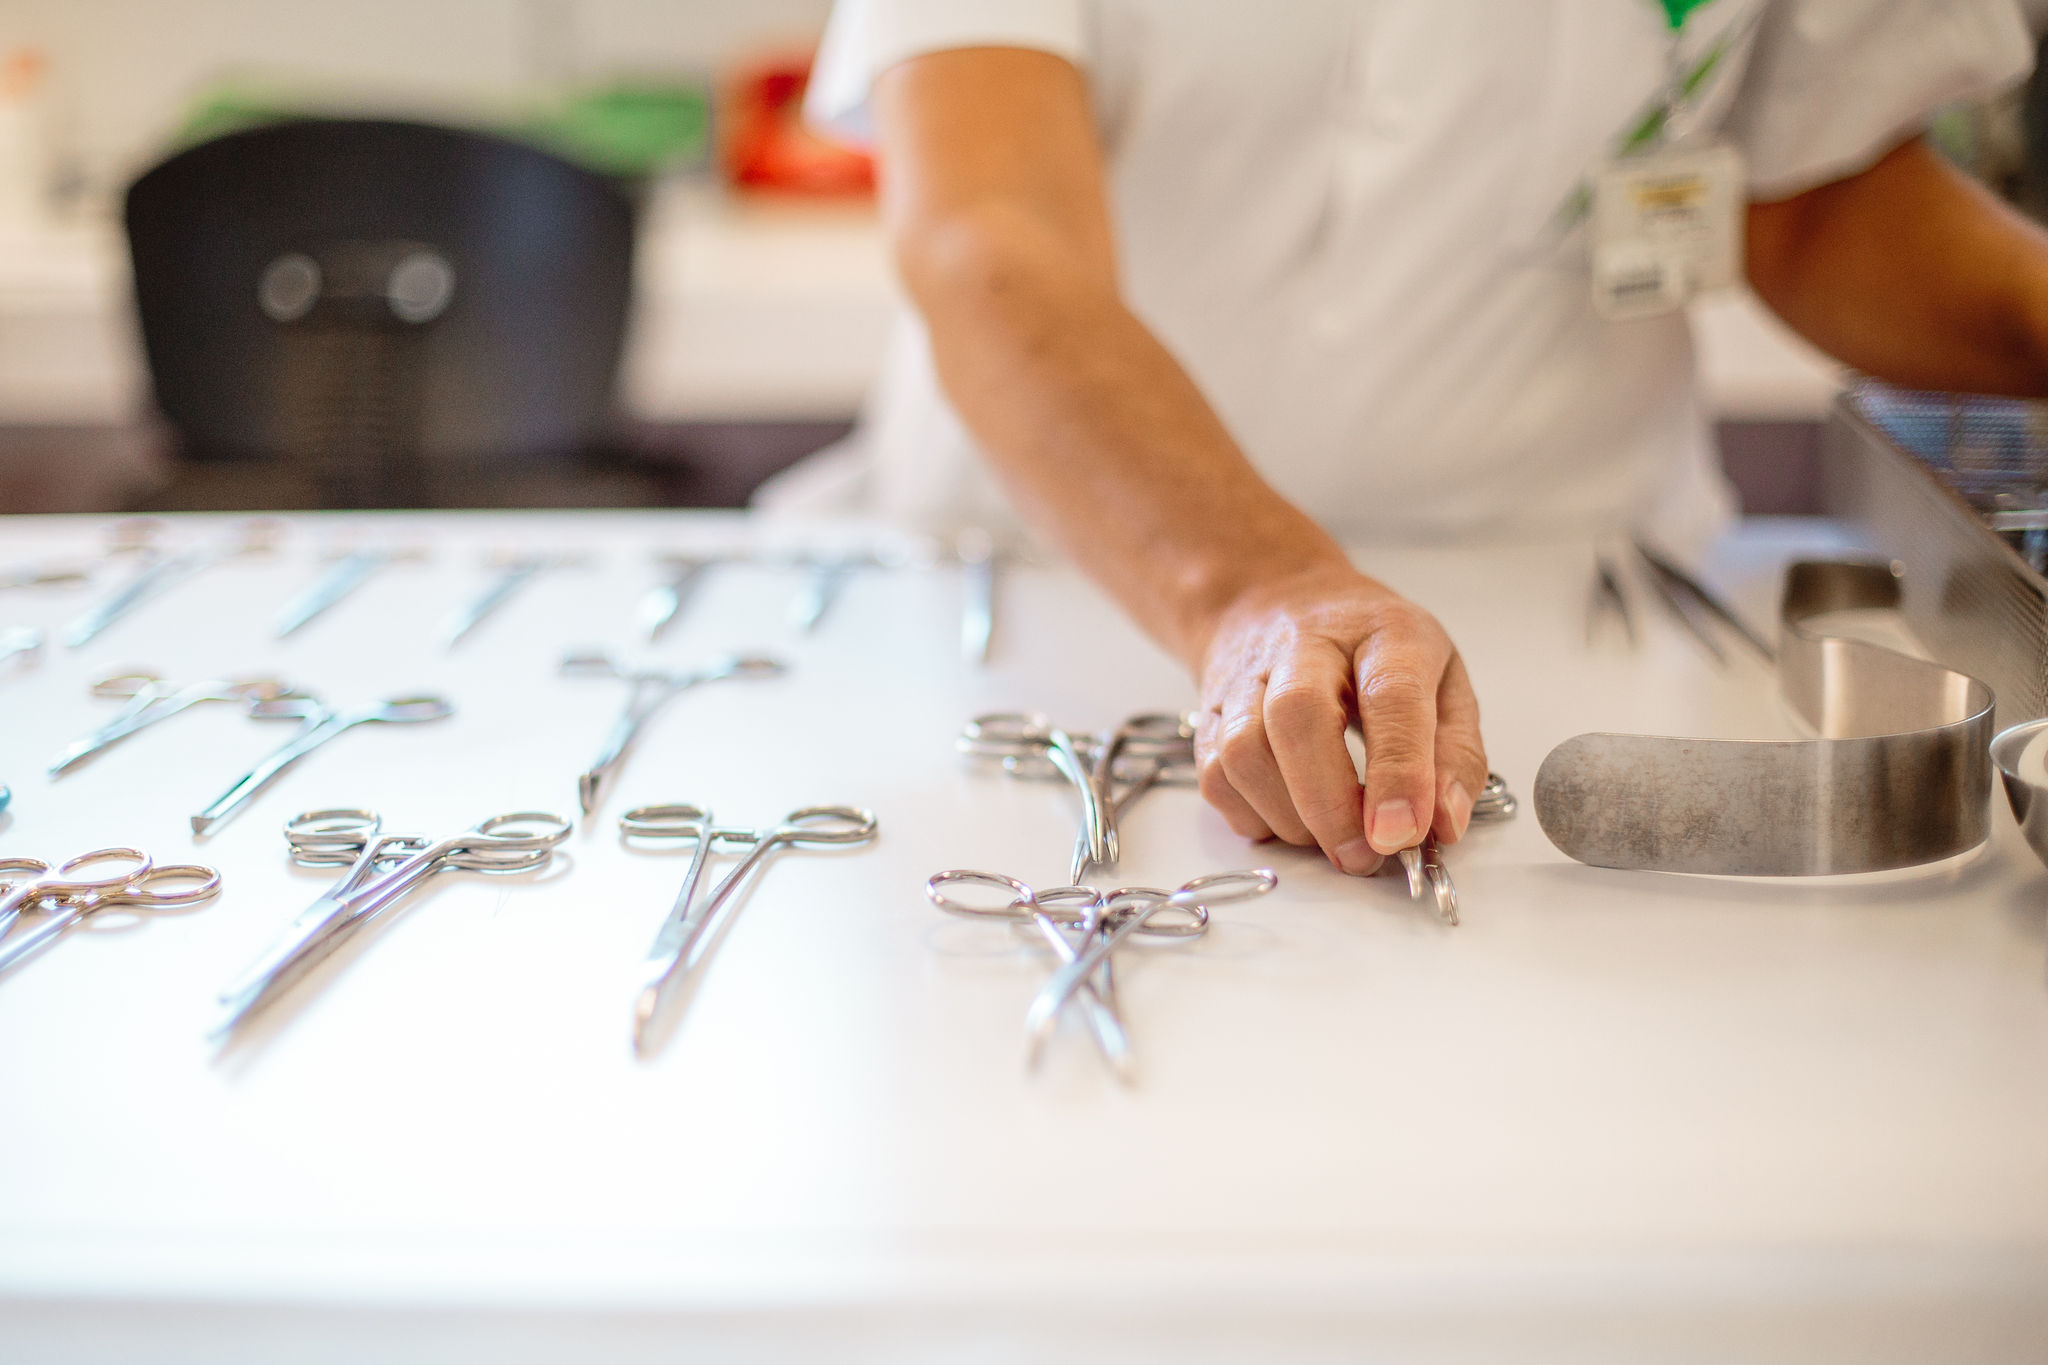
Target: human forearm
1098,433
1911,272
993,196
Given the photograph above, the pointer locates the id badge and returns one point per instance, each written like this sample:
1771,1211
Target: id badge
1666,226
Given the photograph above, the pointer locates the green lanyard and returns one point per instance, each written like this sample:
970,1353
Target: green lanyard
1647,131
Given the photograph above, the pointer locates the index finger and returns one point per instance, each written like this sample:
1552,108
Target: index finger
1307,709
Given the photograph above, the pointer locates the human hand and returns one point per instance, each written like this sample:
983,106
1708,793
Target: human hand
1289,664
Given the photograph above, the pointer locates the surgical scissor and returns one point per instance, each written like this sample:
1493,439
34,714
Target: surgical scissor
135,883
318,724
152,699
382,870
1107,772
649,689
689,931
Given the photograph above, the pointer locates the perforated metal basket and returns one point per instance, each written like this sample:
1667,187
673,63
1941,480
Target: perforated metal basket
1955,490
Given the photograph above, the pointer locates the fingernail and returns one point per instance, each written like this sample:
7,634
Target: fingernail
1393,826
1358,857
1458,802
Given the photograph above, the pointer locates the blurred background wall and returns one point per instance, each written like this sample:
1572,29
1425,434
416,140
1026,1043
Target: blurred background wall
758,311
122,73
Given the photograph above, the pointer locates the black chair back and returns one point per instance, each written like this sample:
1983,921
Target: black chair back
378,301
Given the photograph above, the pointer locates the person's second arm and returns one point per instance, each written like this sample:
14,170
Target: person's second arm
992,192
1912,272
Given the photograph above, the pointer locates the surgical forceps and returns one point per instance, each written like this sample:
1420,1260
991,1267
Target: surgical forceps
684,574
161,572
70,898
348,572
20,642
382,870
1119,914
318,724
827,575
828,571
687,934
152,699
1107,772
1054,914
515,571
649,689
1424,863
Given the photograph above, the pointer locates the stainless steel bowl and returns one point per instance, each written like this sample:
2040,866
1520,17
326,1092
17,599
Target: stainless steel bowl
2029,798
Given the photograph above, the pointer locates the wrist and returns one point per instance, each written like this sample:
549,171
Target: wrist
1224,578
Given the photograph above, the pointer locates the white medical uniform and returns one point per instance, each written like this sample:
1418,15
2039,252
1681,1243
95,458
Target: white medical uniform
1339,215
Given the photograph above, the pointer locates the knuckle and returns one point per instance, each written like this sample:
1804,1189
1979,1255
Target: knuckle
1396,755
1293,704
1297,836
1242,746
1463,755
1401,619
1395,686
1327,811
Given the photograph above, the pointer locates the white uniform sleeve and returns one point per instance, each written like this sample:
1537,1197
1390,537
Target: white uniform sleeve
1834,84
864,38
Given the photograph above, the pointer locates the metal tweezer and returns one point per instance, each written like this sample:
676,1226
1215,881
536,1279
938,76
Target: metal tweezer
1608,599
1692,602
1424,865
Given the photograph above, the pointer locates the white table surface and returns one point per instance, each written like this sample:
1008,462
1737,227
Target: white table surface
1612,1117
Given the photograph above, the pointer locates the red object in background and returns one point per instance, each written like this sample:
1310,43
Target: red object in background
768,147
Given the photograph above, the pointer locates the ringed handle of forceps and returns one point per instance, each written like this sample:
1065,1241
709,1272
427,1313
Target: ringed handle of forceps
63,880
46,882
802,827
361,895
79,903
1024,900
1194,895
365,894
1028,905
